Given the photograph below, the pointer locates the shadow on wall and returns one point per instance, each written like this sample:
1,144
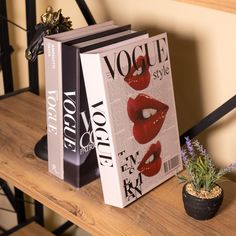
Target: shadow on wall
186,80
186,77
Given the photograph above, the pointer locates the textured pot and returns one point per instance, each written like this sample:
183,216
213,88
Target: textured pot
201,209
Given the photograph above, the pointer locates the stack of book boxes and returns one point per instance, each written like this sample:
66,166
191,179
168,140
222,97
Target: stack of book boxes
111,110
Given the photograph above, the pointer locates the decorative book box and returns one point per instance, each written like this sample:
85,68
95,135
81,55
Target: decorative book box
132,108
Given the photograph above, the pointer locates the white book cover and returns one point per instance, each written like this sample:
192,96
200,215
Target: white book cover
132,109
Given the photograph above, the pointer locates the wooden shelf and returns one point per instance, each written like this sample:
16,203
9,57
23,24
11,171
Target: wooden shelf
160,212
223,5
32,229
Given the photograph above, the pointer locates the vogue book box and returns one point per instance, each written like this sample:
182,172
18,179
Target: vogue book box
132,108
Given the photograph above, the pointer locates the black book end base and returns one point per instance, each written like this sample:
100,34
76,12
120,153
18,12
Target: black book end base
41,149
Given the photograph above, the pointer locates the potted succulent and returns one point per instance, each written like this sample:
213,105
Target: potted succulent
202,196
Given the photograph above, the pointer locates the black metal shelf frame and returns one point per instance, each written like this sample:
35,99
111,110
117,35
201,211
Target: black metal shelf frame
5,50
30,24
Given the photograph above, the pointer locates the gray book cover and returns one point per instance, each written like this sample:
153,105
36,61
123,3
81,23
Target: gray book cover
53,106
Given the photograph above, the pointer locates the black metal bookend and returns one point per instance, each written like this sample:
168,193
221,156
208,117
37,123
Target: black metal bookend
41,148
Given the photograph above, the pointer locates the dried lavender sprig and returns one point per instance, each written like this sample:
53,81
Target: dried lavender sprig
203,152
190,147
184,157
232,166
199,147
226,170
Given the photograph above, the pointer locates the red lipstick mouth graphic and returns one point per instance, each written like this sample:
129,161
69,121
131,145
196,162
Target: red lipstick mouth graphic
139,81
151,162
148,115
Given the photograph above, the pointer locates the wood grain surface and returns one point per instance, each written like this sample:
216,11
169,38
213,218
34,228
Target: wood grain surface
222,5
160,212
32,229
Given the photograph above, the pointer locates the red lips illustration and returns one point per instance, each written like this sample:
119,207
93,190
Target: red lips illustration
139,81
151,162
148,115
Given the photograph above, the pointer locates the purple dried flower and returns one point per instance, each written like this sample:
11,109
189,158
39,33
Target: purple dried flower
200,148
190,147
226,170
231,167
184,157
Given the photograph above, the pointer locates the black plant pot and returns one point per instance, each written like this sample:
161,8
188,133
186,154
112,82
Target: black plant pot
201,209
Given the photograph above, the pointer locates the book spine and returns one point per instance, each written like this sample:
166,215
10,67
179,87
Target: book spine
102,129
52,55
70,92
80,164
